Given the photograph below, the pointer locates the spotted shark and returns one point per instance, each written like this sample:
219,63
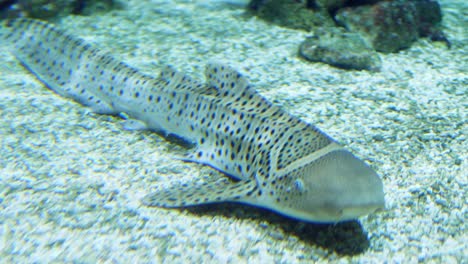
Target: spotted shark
267,157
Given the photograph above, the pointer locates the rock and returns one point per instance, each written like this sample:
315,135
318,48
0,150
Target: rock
4,2
392,25
340,49
330,4
50,9
89,7
44,8
292,13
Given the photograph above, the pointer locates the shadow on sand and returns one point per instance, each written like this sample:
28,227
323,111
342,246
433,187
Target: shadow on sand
346,238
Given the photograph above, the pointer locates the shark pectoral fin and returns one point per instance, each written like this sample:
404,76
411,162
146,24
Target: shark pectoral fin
209,190
102,108
209,158
134,125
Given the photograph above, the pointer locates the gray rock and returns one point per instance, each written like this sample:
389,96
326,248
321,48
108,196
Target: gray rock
330,4
50,9
292,13
392,25
340,49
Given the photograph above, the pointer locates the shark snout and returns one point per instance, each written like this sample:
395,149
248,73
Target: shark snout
344,187
358,187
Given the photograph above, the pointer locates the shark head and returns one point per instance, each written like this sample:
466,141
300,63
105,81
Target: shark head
335,187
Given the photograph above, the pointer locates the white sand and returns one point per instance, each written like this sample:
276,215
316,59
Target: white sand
70,181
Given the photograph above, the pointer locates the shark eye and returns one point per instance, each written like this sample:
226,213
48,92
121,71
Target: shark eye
299,185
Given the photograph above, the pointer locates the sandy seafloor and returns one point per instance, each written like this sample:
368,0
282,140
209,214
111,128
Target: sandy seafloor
71,181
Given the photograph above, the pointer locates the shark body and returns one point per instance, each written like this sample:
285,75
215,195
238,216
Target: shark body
272,159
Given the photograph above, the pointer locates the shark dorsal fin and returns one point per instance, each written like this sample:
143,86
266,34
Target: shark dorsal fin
234,88
229,83
176,80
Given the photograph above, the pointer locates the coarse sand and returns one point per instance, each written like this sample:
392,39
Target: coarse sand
71,180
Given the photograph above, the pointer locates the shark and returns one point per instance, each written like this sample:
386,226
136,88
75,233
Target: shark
267,157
